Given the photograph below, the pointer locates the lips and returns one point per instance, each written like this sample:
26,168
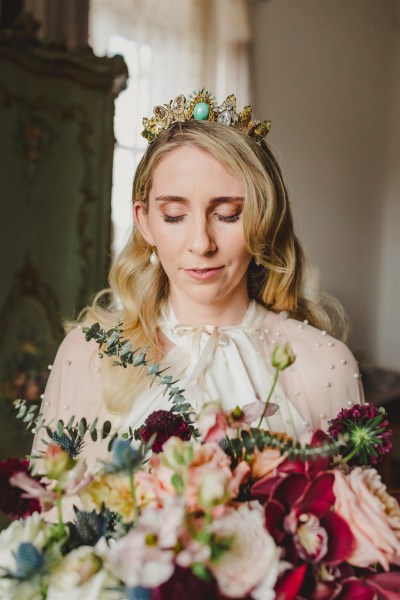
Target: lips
204,274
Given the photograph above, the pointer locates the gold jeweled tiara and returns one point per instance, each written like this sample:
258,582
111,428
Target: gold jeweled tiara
202,106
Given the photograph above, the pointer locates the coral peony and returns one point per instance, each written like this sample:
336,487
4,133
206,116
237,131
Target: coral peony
372,515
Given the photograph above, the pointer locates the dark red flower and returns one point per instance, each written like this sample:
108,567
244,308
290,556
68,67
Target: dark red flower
165,424
289,583
299,515
386,585
370,436
11,501
345,589
183,584
262,489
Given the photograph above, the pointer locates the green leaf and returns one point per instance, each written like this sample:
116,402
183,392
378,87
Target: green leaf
82,428
70,423
111,442
201,571
177,482
93,425
105,429
248,441
139,360
60,428
179,408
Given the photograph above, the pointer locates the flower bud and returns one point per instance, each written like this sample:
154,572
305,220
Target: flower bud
177,454
282,357
57,462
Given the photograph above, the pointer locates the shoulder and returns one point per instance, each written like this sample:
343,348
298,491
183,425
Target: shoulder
307,341
321,359
74,347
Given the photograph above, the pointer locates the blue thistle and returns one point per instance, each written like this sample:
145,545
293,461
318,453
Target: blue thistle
124,457
29,561
138,593
72,446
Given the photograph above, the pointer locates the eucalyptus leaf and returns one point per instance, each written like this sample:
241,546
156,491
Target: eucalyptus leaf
105,429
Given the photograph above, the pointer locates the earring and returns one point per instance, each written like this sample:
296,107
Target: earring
257,262
153,257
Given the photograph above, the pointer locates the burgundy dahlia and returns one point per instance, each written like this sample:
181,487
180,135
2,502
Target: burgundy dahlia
165,424
11,501
370,436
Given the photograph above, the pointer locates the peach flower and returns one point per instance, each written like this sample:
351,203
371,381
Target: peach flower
372,515
266,462
207,478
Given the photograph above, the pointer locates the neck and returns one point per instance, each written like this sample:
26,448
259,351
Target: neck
219,314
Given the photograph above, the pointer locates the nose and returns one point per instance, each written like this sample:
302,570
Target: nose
202,239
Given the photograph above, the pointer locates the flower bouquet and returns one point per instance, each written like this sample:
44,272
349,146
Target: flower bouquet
202,506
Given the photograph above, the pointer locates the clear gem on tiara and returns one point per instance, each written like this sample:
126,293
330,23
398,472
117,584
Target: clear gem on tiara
202,106
226,112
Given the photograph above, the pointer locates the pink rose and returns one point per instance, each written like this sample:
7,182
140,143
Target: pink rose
372,515
251,563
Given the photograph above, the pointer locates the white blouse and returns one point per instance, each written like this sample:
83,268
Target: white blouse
230,364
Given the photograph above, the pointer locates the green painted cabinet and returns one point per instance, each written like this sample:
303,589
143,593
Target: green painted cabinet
56,149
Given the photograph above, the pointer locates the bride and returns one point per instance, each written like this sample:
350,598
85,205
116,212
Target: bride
212,279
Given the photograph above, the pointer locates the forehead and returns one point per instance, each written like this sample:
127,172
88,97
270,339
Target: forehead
190,168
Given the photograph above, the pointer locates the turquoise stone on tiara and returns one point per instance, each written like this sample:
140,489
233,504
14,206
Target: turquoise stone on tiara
201,111
203,106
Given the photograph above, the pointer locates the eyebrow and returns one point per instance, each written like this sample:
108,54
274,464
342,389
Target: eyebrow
216,200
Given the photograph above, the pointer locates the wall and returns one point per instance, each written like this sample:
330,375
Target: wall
327,75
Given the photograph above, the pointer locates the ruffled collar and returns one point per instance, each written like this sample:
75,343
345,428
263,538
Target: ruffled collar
253,320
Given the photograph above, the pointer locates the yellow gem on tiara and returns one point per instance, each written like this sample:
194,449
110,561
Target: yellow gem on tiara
202,106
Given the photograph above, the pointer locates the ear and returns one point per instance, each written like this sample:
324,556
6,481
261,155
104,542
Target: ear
142,221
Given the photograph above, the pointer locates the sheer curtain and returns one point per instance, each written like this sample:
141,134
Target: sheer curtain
170,47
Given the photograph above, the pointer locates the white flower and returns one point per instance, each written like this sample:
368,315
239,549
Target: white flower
26,590
138,560
80,575
33,529
252,561
166,523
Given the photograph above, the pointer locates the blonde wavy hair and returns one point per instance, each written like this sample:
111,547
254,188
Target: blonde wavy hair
279,276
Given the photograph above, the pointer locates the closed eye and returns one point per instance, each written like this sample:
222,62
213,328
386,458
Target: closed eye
170,219
230,218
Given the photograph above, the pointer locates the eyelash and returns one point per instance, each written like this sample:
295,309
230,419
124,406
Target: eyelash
230,219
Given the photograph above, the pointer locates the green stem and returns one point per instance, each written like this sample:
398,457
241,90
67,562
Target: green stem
346,459
207,517
228,439
60,525
134,502
269,397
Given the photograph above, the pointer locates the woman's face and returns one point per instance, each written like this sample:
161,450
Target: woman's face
194,219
